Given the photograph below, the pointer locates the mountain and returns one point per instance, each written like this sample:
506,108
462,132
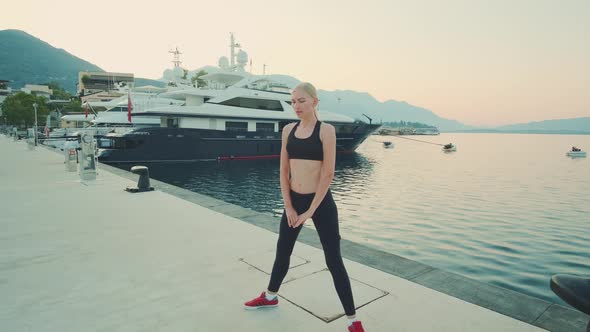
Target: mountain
355,104
138,81
559,126
25,59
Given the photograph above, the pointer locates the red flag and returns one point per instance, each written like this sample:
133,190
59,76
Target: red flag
86,110
129,106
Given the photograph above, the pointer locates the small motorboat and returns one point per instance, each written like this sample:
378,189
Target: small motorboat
576,152
388,145
449,147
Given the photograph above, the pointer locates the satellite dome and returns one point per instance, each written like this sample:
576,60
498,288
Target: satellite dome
168,74
242,58
178,72
223,62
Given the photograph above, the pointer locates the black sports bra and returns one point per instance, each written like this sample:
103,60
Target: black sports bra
306,148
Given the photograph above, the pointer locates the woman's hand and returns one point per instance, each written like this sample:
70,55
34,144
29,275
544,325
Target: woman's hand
303,218
291,216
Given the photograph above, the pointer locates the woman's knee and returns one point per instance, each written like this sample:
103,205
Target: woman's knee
282,261
334,260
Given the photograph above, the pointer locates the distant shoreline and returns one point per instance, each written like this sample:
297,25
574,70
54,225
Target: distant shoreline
545,132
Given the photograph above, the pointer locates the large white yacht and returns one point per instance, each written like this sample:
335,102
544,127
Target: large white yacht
235,115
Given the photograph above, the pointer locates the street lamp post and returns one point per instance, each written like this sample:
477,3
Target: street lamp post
35,129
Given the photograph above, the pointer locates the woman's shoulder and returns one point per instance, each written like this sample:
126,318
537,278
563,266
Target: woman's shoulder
288,127
327,128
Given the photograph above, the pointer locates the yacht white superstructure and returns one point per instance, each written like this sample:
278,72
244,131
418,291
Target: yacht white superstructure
234,115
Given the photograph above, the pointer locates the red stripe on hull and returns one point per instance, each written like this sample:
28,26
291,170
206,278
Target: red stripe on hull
272,156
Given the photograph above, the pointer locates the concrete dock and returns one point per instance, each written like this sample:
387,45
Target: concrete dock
78,256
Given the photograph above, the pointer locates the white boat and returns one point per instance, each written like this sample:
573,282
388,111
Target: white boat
141,99
449,147
234,115
427,131
576,154
239,122
76,120
114,119
388,145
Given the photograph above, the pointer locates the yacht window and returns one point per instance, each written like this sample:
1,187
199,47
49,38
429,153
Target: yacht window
261,126
118,143
345,129
118,109
172,122
261,104
132,144
236,126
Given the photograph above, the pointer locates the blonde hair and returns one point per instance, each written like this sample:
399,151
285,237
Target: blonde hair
311,91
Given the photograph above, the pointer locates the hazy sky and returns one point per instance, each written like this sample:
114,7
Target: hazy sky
480,62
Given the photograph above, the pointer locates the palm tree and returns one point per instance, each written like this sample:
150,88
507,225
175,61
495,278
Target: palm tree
200,82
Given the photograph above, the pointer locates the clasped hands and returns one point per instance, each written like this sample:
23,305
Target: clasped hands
295,220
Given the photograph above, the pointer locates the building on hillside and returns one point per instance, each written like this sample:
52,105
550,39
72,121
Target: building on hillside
5,91
39,90
102,86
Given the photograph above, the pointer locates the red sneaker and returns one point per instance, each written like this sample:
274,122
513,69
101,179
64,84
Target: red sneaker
356,327
261,302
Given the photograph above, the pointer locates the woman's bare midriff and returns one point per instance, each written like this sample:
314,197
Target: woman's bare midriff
305,175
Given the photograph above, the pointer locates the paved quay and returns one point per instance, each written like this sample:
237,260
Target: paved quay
78,256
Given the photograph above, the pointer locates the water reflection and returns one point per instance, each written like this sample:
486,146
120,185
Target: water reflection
510,210
255,181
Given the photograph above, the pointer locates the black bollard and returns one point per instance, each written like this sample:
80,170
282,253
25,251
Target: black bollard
143,184
575,291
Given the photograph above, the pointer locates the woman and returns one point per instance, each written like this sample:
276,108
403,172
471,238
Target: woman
308,156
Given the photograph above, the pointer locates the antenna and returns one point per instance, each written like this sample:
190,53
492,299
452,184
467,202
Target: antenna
176,60
264,69
233,46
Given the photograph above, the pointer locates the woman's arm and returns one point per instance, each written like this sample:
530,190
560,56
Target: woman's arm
284,177
328,137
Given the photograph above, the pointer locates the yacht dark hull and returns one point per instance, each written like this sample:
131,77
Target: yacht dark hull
186,144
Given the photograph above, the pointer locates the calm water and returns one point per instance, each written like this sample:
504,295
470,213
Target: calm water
510,210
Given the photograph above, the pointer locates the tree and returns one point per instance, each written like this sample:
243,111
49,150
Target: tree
74,106
18,110
85,79
58,92
403,123
200,82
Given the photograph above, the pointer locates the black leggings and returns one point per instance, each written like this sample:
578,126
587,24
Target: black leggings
325,220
